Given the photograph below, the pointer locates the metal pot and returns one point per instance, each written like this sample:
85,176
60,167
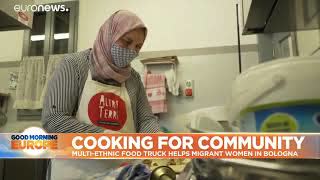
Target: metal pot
163,173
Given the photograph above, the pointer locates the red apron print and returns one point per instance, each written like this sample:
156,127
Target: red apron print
107,110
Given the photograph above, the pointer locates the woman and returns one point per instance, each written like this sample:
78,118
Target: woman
97,91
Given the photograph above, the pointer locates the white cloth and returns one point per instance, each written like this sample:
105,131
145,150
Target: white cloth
54,60
172,81
105,106
30,83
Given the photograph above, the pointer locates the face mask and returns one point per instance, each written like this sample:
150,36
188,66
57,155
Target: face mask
122,56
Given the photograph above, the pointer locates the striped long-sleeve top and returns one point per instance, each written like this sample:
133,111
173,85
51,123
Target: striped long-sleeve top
64,93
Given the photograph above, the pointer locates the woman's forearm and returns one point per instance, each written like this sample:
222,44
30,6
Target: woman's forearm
60,123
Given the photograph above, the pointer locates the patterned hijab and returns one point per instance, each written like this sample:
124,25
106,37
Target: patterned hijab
120,23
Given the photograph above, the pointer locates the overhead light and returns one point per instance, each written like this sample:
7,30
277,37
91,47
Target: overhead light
38,37
56,37
61,36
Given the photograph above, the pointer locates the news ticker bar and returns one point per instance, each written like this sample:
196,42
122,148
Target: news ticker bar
136,146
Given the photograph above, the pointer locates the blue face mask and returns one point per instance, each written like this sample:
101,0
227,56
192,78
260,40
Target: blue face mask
122,56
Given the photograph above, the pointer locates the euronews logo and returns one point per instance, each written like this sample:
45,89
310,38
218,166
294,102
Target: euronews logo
41,8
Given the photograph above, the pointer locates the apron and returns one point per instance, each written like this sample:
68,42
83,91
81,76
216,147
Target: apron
104,106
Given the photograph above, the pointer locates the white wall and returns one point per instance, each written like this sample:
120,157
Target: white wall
173,24
308,42
213,76
11,45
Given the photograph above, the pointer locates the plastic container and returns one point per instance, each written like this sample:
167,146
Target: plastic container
279,96
206,120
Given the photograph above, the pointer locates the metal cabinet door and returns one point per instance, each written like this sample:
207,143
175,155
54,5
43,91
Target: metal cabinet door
1,168
277,45
26,169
